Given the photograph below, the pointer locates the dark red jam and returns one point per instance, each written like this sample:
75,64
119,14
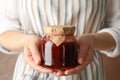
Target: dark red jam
61,57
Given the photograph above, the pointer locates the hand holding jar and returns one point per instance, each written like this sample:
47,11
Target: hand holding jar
63,52
85,55
32,55
59,51
59,47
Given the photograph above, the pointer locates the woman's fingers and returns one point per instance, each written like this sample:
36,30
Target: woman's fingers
27,54
29,60
60,73
40,68
86,43
80,67
88,60
82,54
35,53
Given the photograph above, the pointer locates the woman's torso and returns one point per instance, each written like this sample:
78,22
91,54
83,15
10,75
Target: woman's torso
87,16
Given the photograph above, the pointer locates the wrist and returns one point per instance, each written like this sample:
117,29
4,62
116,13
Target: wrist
103,41
32,39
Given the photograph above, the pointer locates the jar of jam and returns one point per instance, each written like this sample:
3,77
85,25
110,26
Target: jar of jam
59,47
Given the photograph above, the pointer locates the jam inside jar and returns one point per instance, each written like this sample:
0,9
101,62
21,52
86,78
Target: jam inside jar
62,56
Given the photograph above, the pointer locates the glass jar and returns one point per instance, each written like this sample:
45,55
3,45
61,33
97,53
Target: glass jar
59,47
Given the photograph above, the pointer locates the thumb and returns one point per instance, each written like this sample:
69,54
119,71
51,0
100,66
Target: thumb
82,54
36,54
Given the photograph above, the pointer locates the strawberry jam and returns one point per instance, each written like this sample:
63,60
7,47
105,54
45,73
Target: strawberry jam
59,47
59,57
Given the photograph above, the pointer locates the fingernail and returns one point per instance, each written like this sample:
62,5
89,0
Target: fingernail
66,73
81,60
57,74
37,61
54,73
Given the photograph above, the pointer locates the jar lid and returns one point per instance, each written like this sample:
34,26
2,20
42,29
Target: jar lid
58,33
59,29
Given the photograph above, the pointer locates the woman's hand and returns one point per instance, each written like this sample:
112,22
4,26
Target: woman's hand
18,42
32,55
85,56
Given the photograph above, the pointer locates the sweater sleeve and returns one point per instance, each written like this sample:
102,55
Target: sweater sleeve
112,25
8,19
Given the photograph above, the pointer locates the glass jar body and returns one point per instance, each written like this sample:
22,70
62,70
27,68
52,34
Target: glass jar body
63,56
